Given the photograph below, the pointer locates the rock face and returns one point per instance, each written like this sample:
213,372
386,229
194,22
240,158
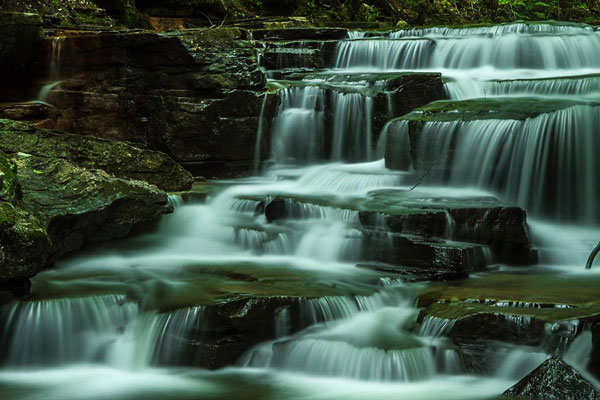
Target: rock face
21,45
196,95
554,380
117,158
57,194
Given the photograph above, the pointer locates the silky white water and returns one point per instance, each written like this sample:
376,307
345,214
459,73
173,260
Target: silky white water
127,319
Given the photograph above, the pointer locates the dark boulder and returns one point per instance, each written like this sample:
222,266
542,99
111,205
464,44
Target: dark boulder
120,159
77,205
554,380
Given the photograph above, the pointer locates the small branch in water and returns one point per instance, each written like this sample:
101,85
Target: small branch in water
427,172
592,257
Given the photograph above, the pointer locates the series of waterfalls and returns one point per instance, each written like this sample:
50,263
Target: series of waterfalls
117,321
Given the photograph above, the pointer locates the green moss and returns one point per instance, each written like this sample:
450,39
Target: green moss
458,299
8,176
493,108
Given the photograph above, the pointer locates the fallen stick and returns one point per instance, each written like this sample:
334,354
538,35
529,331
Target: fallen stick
592,257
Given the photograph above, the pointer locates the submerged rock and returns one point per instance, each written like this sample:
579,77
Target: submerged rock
554,380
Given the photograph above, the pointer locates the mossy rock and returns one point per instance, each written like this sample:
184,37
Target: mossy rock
118,158
493,108
24,244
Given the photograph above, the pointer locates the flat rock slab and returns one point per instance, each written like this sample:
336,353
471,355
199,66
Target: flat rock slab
300,34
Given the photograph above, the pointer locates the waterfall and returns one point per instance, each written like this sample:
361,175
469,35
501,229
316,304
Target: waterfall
547,164
299,125
588,86
55,64
444,49
90,329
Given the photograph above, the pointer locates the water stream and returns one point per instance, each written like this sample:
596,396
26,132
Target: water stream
127,319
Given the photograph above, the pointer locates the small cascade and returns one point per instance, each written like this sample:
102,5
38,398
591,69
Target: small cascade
443,49
259,136
436,327
305,116
55,65
64,330
299,125
156,338
463,88
496,30
352,133
342,359
363,345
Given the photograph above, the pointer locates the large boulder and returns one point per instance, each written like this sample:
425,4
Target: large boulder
554,380
24,245
120,159
60,191
77,205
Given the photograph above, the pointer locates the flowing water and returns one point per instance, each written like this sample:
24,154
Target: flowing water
126,320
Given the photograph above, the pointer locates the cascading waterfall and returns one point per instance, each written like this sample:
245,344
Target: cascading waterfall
443,50
100,316
547,164
300,124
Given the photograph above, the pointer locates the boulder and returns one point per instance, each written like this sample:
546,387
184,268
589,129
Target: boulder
60,191
554,380
24,244
76,205
120,159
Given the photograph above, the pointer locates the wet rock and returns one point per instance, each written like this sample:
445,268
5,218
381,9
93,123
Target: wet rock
523,330
57,194
415,252
24,244
232,328
118,158
300,34
38,114
554,379
76,205
196,95
21,44
479,220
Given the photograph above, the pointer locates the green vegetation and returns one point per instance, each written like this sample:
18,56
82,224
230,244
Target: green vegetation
399,13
